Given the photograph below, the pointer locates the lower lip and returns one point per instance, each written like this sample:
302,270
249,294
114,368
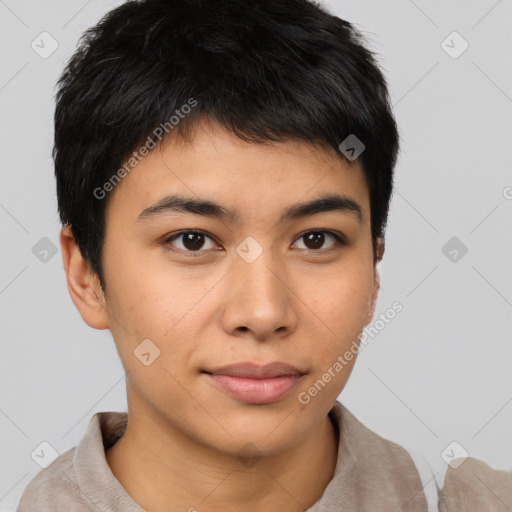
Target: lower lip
256,391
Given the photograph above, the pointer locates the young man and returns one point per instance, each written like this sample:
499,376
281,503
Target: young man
224,170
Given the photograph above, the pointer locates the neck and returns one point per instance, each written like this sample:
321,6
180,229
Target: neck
159,465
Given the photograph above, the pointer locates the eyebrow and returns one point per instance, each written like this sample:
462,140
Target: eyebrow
209,208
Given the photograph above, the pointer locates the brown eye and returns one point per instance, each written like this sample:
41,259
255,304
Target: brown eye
314,240
191,241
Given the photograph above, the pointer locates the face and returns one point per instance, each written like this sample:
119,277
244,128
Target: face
252,280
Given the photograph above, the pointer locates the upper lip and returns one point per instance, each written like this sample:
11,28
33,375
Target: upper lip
255,371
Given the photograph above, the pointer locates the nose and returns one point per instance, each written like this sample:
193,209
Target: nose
259,299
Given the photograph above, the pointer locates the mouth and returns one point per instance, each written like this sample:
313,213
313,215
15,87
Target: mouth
255,384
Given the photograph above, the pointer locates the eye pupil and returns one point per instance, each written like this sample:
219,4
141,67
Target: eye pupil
317,239
193,241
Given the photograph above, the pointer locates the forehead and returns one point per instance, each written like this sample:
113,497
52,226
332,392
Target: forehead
251,179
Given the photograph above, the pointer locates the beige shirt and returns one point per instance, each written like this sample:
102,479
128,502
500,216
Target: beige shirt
372,474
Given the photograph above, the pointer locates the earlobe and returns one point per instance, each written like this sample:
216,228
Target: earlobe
376,282
375,294
380,249
83,284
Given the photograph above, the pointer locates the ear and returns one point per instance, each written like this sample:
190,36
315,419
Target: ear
83,283
376,282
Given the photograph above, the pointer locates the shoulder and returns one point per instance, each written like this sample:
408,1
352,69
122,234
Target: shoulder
53,488
476,486
381,473
79,478
370,446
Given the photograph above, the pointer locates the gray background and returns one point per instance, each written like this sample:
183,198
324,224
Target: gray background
438,373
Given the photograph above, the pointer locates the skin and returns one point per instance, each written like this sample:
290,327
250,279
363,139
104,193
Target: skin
296,303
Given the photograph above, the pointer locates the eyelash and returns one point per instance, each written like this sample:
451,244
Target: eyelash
340,240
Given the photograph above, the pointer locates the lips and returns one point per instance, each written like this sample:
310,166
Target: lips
254,384
254,371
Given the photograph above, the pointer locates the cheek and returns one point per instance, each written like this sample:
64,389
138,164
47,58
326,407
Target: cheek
141,289
344,297
339,311
148,303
